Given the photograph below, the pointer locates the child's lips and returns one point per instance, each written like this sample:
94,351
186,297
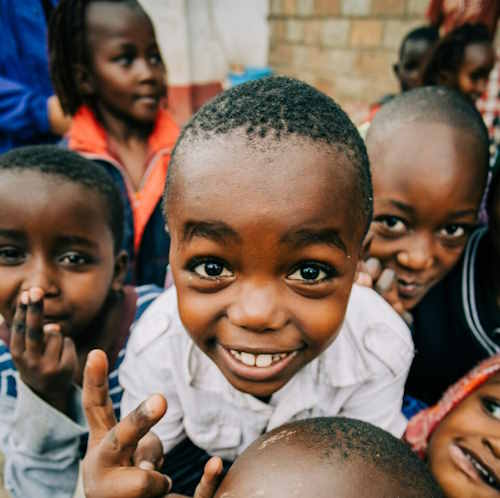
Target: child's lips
409,289
254,366
473,467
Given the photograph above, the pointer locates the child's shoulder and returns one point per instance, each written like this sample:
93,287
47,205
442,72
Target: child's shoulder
158,323
373,339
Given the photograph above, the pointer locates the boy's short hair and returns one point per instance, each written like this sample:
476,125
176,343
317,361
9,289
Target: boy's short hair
71,167
279,107
432,105
68,48
426,33
339,442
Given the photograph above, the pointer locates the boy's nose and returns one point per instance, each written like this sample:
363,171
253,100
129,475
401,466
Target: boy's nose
41,275
419,256
257,308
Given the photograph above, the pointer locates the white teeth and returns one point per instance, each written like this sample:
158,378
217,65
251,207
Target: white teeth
248,359
261,360
264,360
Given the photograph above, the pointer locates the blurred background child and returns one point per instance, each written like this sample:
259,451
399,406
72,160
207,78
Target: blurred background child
61,294
30,113
462,60
109,75
460,436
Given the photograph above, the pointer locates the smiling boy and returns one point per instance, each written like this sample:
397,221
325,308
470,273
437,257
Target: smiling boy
268,200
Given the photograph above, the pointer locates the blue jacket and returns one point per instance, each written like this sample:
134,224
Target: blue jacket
24,74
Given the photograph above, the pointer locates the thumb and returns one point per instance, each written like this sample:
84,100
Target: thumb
210,479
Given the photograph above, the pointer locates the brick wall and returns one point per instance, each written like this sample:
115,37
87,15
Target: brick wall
346,48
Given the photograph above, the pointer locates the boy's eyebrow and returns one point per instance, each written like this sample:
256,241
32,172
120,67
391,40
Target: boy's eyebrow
463,213
306,237
214,230
13,234
75,239
402,206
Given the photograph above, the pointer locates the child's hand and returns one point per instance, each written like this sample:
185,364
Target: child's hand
108,470
46,360
371,274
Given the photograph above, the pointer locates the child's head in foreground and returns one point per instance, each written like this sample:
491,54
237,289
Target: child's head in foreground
428,152
60,231
462,60
268,199
103,54
413,51
460,435
328,458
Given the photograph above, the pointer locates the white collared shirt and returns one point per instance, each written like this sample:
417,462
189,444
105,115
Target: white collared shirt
360,375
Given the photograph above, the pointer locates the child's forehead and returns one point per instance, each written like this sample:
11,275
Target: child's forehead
113,19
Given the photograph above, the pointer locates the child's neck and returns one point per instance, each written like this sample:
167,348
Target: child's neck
128,141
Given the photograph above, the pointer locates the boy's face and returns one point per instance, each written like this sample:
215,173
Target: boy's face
408,68
53,235
127,75
464,451
264,248
426,196
472,78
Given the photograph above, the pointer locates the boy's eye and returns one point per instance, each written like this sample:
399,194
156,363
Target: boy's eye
155,59
311,273
452,231
73,258
212,269
492,406
10,255
124,59
391,223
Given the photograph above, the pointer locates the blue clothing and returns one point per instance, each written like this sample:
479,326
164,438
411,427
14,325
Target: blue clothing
25,82
43,446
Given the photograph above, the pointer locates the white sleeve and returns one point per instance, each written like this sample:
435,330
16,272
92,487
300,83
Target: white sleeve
148,369
41,445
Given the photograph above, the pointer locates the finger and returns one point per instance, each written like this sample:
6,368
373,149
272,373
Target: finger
34,322
210,479
364,279
95,397
128,482
386,281
149,452
17,338
373,267
69,357
121,441
408,318
53,342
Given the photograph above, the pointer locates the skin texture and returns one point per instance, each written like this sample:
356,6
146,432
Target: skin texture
472,76
426,197
57,267
272,273
408,67
281,467
474,425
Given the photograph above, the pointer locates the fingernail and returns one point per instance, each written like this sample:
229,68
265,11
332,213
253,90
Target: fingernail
373,266
386,280
25,298
169,483
145,465
52,328
36,294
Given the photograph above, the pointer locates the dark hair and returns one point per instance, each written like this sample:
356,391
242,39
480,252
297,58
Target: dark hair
69,166
448,53
493,190
337,439
429,34
280,107
69,48
433,104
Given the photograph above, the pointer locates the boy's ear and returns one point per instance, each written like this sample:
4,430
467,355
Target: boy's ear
395,68
83,79
120,270
446,78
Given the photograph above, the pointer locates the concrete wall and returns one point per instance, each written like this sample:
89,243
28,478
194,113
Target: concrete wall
346,48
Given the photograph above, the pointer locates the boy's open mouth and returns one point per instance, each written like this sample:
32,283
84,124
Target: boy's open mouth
473,466
256,366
